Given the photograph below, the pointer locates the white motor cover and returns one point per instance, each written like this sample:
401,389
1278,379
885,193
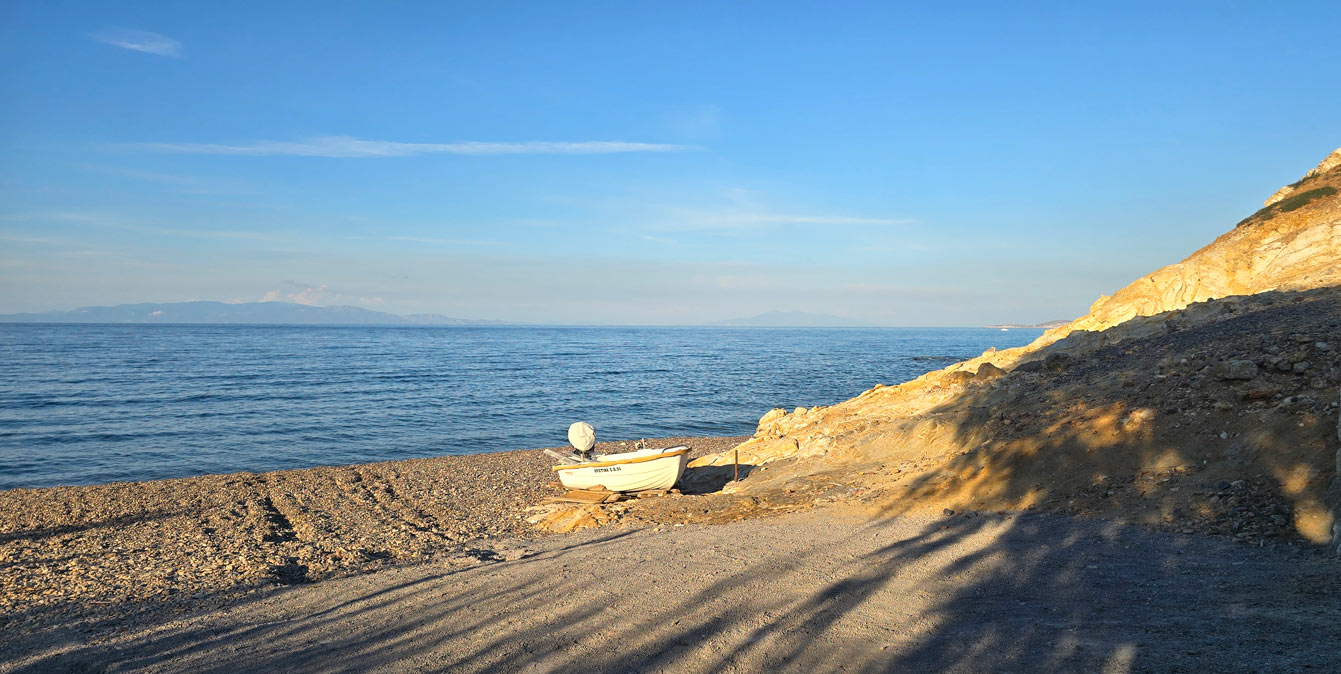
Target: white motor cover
582,436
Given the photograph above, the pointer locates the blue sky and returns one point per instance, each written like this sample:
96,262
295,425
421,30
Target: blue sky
641,163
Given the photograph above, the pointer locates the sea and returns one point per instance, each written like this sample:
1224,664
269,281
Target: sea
88,404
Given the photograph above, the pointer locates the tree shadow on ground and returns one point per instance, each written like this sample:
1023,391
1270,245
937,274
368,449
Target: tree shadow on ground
1143,429
1016,592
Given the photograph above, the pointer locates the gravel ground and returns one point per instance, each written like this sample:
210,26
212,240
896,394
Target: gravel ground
105,555
819,591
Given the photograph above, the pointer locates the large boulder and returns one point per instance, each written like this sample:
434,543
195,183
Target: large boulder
1235,369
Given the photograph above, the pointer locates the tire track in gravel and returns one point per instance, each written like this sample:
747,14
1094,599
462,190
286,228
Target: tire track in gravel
398,510
281,528
404,503
376,525
282,539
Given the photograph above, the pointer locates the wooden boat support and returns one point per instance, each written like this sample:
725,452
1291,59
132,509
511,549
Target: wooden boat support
604,496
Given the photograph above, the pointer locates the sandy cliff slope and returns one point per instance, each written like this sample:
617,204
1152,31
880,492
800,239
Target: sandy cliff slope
1202,396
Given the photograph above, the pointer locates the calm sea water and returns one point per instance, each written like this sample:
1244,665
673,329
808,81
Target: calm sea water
84,404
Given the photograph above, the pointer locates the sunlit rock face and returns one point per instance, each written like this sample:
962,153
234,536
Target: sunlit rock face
1232,317
1332,161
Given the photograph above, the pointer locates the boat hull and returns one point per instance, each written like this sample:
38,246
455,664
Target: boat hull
639,473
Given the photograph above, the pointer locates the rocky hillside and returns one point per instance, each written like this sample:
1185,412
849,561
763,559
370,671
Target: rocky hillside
1292,243
1202,397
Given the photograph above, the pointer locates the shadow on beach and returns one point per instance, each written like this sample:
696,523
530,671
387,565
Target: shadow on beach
1021,592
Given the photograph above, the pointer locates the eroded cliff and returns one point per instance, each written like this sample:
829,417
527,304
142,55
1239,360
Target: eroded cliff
1201,396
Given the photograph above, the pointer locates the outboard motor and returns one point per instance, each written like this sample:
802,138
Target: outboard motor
582,437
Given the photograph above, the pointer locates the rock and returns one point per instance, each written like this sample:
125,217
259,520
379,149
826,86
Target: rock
1322,346
957,378
1300,367
1056,363
1234,370
988,372
772,415
1031,366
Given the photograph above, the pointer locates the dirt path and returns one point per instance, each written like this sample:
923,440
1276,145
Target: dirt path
816,591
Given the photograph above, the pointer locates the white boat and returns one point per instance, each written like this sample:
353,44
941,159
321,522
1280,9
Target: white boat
640,470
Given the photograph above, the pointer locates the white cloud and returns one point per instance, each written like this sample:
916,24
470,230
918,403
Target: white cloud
345,146
139,40
301,293
315,295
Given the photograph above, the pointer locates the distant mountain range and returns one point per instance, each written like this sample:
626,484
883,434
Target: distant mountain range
791,319
289,313
246,313
1046,326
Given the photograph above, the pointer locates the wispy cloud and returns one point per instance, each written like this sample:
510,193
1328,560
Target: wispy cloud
345,146
139,40
447,242
178,183
739,211
893,291
661,240
745,220
112,221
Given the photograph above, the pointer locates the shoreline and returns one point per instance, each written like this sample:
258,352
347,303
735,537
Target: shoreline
606,446
154,545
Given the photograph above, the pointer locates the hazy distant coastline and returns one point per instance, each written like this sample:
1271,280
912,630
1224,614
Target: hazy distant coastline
290,313
1043,326
246,313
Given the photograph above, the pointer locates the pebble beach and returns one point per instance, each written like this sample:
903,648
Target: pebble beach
119,550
